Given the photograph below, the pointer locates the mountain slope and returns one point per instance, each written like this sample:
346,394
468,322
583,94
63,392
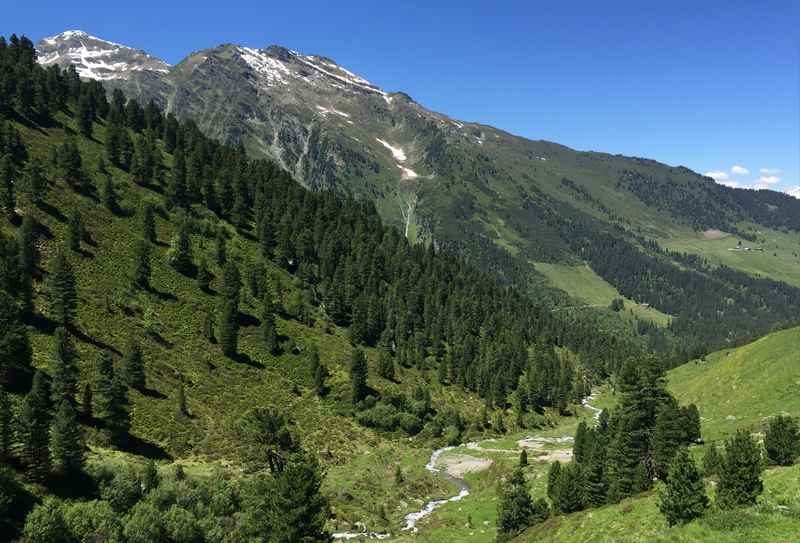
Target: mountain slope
502,200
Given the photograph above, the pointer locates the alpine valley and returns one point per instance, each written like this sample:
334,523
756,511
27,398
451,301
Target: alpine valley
253,297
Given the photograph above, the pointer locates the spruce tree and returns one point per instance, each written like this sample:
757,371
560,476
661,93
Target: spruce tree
208,327
523,458
320,376
133,364
268,331
34,185
109,194
65,374
66,442
579,449
782,441
668,436
182,408
712,460
594,481
683,498
229,329
298,510
148,223
553,475
691,419
514,508
221,249
28,255
112,400
358,375
15,348
141,270
179,255
87,400
740,472
75,231
385,364
568,496
62,290
34,423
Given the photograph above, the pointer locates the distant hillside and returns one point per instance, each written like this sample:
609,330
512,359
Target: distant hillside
503,201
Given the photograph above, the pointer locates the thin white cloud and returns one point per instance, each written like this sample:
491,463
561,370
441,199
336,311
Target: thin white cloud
769,179
770,171
793,191
717,176
760,186
731,184
739,170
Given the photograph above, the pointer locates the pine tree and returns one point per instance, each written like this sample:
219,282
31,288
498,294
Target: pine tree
148,223
668,436
15,348
84,115
34,185
320,376
268,331
569,489
28,255
691,420
87,406
782,441
34,422
579,444
65,374
358,375
75,231
221,250
62,290
112,400
66,442
514,508
109,194
385,364
740,472
182,408
523,458
298,510
179,255
231,283
683,498
553,475
150,477
229,329
711,461
133,364
594,482
177,190
141,270
208,327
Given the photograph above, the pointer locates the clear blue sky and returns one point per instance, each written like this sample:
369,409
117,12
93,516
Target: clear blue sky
706,84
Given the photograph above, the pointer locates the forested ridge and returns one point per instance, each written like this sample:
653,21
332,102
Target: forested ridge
423,311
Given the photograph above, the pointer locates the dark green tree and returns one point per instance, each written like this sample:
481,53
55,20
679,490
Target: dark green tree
75,231
33,184
87,400
109,195
15,348
228,333
7,180
320,377
668,436
514,507
203,275
141,269
552,479
6,428
358,375
523,458
221,250
712,461
33,428
65,368
269,332
683,498
62,290
298,510
179,255
148,223
782,441
385,364
133,366
691,417
740,472
66,442
569,488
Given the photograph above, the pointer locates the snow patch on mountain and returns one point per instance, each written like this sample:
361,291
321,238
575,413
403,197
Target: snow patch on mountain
398,154
272,70
347,77
407,173
96,58
324,111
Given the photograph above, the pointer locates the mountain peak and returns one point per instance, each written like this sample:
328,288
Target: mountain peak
96,58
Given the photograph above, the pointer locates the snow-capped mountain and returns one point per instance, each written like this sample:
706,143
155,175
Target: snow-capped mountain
502,198
95,58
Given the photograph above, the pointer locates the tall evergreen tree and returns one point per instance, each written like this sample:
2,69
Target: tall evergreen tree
179,255
358,375
552,479
62,290
34,184
133,364
148,223
66,442
298,510
568,496
75,231
385,364
112,401
268,331
712,461
33,426
782,441
514,507
7,179
109,194
203,275
15,348
229,329
65,374
740,472
141,269
683,498
579,449
668,436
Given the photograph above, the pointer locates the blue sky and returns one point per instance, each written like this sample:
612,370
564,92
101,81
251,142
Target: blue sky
709,85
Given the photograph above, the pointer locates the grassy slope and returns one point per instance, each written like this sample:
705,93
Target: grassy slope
741,387
584,284
780,259
750,383
360,462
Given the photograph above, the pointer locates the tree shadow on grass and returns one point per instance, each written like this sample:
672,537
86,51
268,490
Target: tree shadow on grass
53,212
244,358
152,393
92,341
137,445
163,295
